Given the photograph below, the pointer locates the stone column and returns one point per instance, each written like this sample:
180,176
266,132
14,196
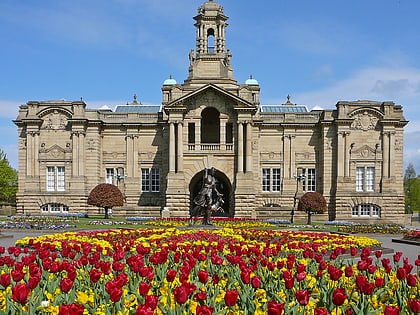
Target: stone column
130,155
340,154
180,149
82,159
385,142
286,157
248,147
171,147
36,154
136,156
222,133
75,153
240,147
391,153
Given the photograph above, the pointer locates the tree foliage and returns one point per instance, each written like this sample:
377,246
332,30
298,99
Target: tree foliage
8,180
411,190
106,196
313,202
410,172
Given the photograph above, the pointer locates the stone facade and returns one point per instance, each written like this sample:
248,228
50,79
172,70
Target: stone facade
266,156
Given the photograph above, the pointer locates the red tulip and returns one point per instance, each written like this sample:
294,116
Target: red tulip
401,273
321,311
5,279
256,282
181,294
275,308
95,275
302,296
231,297
391,310
144,288
411,279
71,309
20,293
379,282
414,305
66,284
203,276
144,310
339,296
204,310
170,275
151,301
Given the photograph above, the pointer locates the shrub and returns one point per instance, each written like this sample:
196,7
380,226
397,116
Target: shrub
312,202
106,196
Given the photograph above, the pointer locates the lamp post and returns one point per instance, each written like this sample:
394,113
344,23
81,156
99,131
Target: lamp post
298,177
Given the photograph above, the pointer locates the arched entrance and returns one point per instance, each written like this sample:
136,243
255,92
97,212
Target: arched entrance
223,185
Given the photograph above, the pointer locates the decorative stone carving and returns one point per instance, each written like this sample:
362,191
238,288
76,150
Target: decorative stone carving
55,121
365,121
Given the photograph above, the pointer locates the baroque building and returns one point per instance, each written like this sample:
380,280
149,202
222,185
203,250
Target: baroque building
265,156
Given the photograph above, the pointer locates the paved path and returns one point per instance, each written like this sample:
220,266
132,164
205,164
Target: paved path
8,238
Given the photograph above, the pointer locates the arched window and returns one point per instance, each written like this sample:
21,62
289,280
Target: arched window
210,40
210,125
54,207
366,210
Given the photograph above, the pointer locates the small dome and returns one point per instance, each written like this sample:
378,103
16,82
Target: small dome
251,81
169,81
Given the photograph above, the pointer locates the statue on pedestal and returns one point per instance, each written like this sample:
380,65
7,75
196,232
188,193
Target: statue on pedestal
208,200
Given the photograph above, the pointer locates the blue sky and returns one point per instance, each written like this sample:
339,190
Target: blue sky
105,51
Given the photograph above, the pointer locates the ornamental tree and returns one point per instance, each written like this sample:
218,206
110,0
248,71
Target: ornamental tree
312,202
106,196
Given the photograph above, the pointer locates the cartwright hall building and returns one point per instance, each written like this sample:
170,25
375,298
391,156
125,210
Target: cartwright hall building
265,156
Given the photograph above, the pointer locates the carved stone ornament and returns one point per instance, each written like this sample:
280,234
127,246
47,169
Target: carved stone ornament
365,122
55,121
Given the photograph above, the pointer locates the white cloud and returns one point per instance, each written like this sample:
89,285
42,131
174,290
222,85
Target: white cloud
400,85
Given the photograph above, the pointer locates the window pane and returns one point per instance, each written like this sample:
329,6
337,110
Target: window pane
310,180
370,178
355,211
375,210
360,178
365,209
265,179
145,179
276,179
155,180
50,178
55,207
61,178
109,176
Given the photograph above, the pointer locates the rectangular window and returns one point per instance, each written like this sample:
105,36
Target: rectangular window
56,178
360,178
365,209
155,180
61,178
365,178
309,179
370,178
276,179
150,180
145,179
266,179
50,178
110,175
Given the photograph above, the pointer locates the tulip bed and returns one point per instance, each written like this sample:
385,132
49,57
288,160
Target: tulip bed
220,271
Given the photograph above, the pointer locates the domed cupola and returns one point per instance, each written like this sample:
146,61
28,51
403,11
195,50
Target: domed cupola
251,81
169,81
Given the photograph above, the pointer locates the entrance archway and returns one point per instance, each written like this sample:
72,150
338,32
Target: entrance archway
223,185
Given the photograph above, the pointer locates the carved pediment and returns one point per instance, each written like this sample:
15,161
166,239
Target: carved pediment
365,119
54,152
55,120
364,152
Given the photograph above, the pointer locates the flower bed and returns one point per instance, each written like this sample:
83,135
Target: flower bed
373,228
413,235
39,222
226,271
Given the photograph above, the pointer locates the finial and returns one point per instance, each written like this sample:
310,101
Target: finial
135,99
250,76
288,101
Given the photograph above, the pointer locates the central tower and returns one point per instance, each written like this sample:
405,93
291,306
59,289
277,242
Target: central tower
211,61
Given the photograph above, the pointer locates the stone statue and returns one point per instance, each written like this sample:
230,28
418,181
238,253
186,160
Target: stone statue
204,202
